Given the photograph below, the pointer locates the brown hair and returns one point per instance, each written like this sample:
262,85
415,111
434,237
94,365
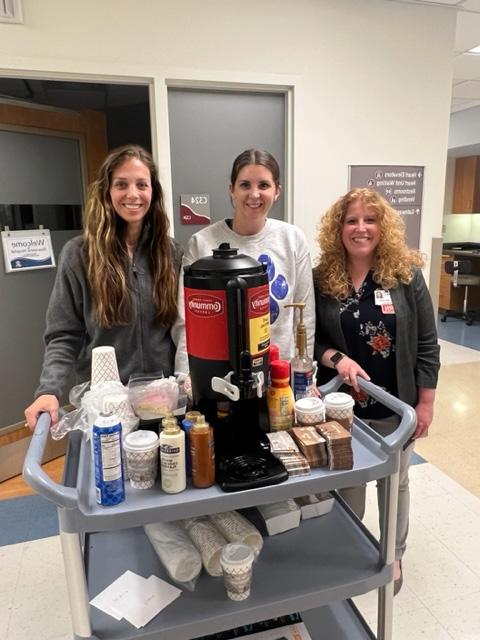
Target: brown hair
255,156
393,260
104,236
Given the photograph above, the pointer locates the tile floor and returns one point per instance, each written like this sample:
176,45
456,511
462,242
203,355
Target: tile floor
441,593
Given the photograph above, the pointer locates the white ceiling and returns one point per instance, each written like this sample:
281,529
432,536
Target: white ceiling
466,69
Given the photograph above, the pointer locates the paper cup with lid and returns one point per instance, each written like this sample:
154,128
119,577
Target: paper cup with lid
339,407
309,411
141,451
237,565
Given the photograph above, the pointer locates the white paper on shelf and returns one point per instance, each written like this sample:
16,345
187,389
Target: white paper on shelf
135,598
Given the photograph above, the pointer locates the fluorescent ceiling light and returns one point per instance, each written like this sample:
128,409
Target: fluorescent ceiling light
475,50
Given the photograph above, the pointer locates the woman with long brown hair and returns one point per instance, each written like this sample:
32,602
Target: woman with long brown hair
374,319
116,284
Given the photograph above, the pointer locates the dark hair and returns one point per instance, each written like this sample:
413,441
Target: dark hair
104,235
255,156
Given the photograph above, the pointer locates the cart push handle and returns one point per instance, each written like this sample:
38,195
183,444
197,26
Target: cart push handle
405,429
36,477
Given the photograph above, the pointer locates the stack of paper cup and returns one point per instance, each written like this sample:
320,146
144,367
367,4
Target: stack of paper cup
104,365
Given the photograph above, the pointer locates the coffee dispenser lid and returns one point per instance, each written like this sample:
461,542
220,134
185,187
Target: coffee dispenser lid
226,258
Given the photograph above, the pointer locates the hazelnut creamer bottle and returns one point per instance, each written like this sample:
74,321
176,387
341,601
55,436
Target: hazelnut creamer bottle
203,454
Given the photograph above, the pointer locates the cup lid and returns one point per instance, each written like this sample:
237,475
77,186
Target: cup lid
141,440
309,405
236,553
339,400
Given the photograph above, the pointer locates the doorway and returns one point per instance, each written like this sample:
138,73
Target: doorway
208,129
56,114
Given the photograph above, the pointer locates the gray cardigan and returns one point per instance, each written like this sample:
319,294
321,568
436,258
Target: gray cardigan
417,350
143,345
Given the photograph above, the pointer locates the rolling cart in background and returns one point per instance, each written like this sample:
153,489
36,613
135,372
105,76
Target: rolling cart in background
314,569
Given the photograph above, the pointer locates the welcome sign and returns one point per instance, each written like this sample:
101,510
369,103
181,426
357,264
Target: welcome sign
27,250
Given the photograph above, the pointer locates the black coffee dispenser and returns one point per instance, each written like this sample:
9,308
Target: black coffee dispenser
227,321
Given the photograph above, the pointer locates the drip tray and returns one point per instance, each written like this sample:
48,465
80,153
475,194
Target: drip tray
249,470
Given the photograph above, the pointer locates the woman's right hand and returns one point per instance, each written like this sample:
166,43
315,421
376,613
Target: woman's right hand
48,403
348,370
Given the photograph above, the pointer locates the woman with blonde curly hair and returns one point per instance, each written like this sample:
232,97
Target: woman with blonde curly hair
116,285
374,319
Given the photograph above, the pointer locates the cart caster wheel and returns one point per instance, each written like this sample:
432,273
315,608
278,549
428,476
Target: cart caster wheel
443,319
469,323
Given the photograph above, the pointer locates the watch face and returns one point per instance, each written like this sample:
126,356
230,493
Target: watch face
336,357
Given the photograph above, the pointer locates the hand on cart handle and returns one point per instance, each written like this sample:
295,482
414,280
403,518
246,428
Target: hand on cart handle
46,403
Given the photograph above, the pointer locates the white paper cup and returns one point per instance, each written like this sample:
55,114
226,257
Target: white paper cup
339,407
309,411
237,565
141,451
104,365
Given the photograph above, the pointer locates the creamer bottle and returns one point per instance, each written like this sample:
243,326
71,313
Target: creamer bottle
280,400
172,456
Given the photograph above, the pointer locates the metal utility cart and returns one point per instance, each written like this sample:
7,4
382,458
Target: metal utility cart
314,569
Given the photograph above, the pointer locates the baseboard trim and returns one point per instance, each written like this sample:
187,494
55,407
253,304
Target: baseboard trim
13,454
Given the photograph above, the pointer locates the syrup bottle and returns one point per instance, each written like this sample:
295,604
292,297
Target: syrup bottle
203,454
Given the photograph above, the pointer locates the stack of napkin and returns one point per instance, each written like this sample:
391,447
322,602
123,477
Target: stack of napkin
339,444
284,449
311,444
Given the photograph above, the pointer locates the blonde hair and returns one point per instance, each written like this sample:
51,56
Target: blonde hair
106,251
393,261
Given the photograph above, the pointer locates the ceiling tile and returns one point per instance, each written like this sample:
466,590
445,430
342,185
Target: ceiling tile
466,66
471,5
468,90
460,105
468,31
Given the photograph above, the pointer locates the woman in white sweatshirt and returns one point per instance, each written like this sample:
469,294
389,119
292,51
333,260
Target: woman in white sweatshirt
254,188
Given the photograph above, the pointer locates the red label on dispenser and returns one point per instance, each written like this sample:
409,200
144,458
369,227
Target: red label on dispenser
206,324
259,319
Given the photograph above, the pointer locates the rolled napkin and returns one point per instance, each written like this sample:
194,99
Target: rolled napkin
236,528
209,542
175,550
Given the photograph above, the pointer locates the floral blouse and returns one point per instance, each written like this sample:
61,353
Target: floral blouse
368,325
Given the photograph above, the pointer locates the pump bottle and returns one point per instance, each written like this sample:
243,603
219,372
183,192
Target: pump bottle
301,366
172,456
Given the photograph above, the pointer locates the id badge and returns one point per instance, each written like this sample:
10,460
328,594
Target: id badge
382,297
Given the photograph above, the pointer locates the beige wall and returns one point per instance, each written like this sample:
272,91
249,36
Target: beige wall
371,78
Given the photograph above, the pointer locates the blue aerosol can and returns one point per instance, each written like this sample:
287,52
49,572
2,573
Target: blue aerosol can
107,453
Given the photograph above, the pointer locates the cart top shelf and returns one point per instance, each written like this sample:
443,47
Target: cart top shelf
374,457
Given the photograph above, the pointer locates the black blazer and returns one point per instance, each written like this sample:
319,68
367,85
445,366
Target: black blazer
417,350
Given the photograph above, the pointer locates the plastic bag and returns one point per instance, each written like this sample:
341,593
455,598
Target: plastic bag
176,552
106,396
77,392
76,419
153,396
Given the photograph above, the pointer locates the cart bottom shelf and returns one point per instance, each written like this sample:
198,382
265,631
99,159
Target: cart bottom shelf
338,621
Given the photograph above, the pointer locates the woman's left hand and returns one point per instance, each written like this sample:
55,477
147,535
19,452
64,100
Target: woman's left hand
424,411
